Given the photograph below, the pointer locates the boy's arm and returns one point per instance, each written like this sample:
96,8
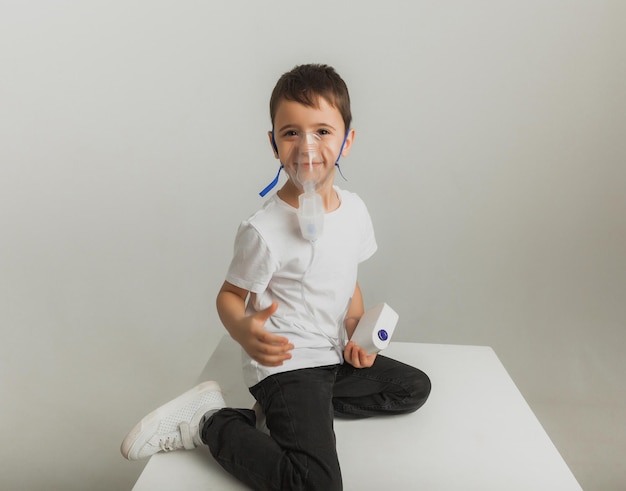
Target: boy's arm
249,331
353,354
355,311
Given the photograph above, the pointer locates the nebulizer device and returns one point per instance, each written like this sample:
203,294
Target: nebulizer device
309,164
375,328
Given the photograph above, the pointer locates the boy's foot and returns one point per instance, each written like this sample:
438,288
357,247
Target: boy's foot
174,425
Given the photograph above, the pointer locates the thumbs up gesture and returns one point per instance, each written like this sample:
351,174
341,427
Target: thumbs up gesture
249,330
263,346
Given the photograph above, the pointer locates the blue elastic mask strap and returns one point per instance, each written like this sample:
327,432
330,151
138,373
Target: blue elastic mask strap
339,156
340,173
272,184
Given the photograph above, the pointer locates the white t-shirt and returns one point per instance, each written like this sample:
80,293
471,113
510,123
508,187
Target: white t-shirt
313,282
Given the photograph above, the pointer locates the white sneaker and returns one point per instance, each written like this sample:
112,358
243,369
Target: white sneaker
175,425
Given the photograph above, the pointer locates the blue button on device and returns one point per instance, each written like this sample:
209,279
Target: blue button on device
382,335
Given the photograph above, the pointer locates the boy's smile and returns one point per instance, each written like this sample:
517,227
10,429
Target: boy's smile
292,123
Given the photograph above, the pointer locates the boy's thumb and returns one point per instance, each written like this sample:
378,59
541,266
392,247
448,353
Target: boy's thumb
268,312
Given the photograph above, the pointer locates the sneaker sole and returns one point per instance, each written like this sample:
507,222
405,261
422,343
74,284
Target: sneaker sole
156,415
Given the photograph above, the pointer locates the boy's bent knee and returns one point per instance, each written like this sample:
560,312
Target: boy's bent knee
419,387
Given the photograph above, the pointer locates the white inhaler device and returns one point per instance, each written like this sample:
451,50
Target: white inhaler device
309,166
375,328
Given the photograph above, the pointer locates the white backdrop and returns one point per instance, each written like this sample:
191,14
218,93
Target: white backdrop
490,151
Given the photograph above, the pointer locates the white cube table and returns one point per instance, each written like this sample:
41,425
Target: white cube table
475,432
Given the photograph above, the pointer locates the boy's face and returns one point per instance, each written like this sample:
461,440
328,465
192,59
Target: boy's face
292,119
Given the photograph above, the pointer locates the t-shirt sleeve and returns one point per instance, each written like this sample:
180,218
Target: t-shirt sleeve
252,265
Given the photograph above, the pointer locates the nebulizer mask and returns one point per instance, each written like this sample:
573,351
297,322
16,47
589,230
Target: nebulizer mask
311,143
309,166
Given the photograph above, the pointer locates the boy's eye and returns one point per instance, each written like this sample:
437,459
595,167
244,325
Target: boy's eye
296,133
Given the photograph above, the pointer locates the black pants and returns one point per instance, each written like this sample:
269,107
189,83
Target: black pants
299,408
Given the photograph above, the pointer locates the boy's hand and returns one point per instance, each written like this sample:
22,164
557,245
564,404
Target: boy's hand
357,356
263,346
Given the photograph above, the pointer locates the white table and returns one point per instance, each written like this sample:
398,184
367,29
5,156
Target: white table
475,432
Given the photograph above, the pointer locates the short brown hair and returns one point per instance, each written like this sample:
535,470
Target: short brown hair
306,83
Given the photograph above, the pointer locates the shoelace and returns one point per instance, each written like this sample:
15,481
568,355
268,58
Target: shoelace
182,439
169,444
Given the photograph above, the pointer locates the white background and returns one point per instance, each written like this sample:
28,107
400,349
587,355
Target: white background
490,151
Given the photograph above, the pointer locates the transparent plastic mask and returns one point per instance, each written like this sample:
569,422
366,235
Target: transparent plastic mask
314,140
307,157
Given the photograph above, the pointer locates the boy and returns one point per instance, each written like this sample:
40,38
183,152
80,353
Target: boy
290,303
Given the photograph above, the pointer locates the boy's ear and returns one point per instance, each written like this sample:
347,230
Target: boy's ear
270,135
348,144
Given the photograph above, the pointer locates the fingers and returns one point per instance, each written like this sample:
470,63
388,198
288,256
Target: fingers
272,343
366,359
351,354
357,356
270,349
263,346
272,360
271,353
348,354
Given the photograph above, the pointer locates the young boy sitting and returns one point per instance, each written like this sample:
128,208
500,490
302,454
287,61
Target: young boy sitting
291,303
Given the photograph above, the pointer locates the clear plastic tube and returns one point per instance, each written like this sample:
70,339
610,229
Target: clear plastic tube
338,343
